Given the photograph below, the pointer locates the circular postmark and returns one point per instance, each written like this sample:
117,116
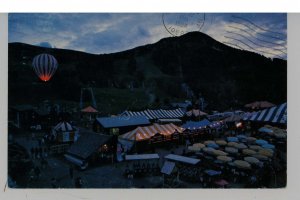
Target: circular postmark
178,24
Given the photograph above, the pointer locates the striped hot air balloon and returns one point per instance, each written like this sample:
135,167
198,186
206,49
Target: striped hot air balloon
44,65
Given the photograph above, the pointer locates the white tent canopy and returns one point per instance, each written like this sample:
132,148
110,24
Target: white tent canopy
146,132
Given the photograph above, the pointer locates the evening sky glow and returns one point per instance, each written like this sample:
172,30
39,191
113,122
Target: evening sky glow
106,33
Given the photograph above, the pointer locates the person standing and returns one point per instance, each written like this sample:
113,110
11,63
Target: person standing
35,152
37,172
78,182
41,152
32,136
71,172
42,141
45,152
53,183
130,178
32,153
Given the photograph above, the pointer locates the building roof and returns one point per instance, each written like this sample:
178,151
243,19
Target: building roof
142,157
196,113
157,114
144,133
88,143
121,121
196,125
168,167
183,159
181,104
25,107
63,127
89,109
170,120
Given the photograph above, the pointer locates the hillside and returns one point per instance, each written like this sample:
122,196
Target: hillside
151,75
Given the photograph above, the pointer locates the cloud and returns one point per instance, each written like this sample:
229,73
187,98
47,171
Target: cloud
45,44
106,33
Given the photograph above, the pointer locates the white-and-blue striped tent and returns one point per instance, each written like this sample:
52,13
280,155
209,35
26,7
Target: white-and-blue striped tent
276,114
157,114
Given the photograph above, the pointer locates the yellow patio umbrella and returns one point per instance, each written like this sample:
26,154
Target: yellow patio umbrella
266,152
280,135
208,142
251,160
193,148
249,152
224,158
231,150
255,147
242,164
221,142
208,150
260,157
199,145
219,153
251,139
231,144
240,146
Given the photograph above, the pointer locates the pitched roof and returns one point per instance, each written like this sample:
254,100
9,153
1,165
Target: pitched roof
121,121
88,143
144,133
196,113
157,114
89,109
64,126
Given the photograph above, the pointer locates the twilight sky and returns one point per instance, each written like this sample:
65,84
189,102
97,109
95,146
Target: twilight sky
112,32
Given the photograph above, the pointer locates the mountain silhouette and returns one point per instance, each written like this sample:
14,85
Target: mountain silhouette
152,74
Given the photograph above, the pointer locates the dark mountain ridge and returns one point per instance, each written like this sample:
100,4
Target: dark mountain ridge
226,77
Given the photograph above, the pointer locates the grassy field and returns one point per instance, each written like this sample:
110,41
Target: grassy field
115,101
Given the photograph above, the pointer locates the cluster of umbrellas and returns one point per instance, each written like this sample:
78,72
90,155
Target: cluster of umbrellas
274,131
253,151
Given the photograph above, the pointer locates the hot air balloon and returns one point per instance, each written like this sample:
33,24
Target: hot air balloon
44,66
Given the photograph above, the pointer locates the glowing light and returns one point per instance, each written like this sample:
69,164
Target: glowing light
238,124
44,78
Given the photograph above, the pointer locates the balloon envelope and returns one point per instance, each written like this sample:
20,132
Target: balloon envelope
44,65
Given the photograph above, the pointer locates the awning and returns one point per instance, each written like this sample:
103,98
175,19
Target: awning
276,114
196,125
157,114
146,132
142,157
